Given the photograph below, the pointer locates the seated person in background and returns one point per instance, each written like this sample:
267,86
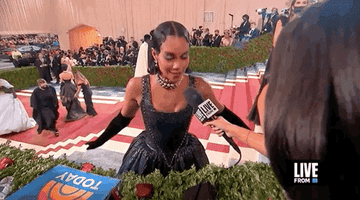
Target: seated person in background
226,40
84,84
254,32
68,97
15,54
45,106
244,27
13,116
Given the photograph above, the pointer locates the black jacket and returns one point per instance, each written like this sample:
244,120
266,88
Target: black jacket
206,40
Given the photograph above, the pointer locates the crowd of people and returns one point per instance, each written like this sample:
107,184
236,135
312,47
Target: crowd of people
42,40
245,32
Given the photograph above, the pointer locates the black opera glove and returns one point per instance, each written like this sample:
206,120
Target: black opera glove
115,126
232,118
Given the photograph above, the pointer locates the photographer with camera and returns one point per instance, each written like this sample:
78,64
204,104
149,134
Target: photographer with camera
268,19
244,28
197,39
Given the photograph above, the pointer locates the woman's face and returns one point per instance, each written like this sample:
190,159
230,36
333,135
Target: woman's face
42,85
173,58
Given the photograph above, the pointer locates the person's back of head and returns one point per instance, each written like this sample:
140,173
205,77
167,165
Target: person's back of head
146,38
312,103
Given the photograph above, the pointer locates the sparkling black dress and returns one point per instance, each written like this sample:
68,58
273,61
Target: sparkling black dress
165,144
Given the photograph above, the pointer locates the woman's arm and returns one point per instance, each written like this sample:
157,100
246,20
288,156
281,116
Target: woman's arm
251,138
126,114
208,93
132,97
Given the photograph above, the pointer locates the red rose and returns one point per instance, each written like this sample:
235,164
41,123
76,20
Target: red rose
116,194
5,161
87,167
144,190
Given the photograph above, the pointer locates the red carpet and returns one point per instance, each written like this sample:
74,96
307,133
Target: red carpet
67,130
237,98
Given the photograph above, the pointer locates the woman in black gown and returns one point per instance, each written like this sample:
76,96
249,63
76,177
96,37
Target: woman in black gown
166,143
68,95
83,84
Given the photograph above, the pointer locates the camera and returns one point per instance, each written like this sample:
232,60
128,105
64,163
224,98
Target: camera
285,11
261,10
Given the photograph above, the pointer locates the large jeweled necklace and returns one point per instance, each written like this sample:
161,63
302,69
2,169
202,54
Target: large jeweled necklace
166,83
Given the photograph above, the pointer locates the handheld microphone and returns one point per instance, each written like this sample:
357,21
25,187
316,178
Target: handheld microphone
204,110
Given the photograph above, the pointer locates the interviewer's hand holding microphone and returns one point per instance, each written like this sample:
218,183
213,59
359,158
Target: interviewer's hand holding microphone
220,125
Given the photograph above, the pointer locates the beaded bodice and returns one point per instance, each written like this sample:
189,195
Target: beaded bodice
167,129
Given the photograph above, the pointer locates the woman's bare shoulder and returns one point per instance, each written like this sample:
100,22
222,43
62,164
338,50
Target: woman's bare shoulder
134,83
134,87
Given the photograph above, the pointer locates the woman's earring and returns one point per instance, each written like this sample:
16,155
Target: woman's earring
156,64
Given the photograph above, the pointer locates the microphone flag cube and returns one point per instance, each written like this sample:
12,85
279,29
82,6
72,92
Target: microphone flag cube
206,110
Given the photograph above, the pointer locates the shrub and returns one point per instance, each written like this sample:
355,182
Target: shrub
29,166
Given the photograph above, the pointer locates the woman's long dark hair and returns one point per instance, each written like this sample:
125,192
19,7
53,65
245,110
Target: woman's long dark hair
313,100
158,36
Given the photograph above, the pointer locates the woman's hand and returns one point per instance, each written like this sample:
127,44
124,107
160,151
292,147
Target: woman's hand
219,125
93,145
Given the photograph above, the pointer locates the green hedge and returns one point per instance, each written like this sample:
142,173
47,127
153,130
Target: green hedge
249,181
224,59
21,78
113,76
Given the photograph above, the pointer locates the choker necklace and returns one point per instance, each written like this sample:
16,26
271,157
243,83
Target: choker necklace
166,83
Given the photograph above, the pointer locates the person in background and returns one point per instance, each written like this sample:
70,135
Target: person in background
216,39
226,40
83,84
142,59
56,66
13,116
69,99
254,32
45,67
206,38
244,28
15,54
270,21
133,43
45,106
